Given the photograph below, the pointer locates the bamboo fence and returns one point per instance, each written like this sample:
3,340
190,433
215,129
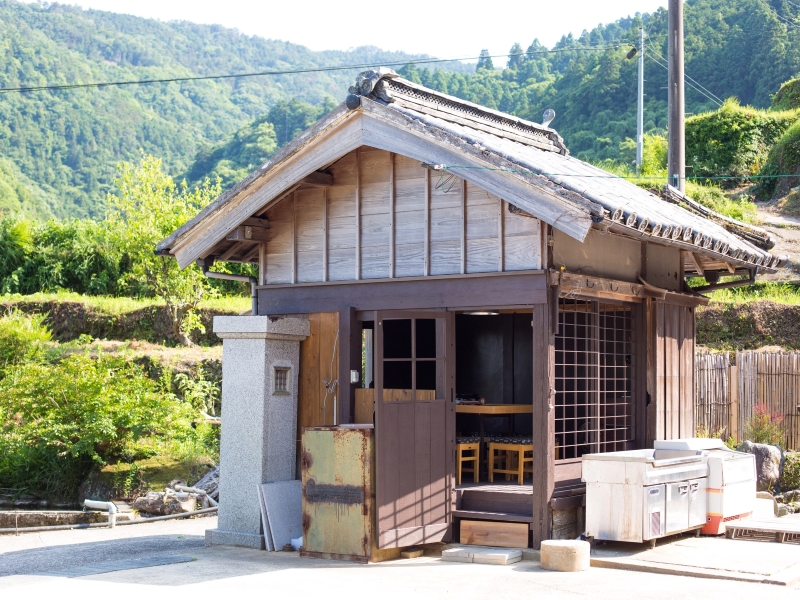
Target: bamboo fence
726,395
712,393
771,378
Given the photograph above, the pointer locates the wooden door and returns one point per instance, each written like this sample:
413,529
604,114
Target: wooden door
415,427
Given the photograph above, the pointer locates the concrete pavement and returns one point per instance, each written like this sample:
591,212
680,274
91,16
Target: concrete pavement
223,572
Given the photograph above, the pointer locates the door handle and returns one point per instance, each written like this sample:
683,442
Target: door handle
683,489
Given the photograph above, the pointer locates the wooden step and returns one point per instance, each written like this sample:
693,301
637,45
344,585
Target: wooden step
496,499
494,533
493,516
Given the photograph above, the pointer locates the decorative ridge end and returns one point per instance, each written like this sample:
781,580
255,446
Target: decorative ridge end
371,84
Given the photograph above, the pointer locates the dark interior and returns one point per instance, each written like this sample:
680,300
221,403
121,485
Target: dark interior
494,359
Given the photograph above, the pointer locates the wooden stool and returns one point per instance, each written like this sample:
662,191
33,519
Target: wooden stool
475,448
515,454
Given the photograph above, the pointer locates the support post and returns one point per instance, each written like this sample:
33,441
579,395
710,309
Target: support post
349,360
259,419
640,106
676,164
544,437
733,407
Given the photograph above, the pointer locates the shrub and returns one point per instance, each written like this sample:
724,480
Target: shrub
783,159
764,427
790,478
788,96
21,338
734,140
58,419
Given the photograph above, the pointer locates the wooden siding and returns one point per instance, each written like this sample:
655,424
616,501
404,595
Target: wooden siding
385,216
317,355
670,372
601,255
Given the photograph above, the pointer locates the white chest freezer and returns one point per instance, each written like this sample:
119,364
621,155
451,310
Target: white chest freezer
640,495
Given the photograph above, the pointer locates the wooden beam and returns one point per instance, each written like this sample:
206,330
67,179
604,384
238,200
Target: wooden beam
325,234
695,262
392,200
317,179
427,244
731,268
463,226
231,251
543,435
517,289
246,258
358,214
576,284
501,263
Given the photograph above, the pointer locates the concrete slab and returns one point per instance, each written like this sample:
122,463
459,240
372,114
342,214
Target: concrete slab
284,505
482,555
712,557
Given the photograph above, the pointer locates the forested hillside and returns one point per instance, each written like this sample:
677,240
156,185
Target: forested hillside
734,48
59,149
67,143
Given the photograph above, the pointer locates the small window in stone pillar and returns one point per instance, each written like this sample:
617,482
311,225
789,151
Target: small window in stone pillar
281,380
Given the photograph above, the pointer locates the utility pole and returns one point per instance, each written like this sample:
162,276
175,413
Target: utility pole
640,112
676,163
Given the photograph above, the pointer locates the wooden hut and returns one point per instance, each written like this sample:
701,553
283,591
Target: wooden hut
417,252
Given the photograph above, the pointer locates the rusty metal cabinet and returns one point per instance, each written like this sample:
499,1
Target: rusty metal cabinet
338,494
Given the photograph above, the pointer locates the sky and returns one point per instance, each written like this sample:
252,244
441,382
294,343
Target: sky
442,28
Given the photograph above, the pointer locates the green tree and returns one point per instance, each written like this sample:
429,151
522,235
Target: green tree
149,206
485,61
516,57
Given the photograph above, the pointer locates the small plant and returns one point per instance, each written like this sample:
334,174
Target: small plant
764,427
790,479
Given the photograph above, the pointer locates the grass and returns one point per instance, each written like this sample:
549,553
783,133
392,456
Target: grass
780,293
122,305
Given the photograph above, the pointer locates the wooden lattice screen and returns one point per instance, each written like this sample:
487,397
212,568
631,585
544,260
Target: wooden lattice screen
593,378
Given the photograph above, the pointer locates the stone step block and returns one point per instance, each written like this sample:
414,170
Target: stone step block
565,555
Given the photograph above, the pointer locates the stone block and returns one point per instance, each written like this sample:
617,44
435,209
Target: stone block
219,537
497,556
565,555
457,555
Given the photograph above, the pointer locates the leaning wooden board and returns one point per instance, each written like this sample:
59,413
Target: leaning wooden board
493,533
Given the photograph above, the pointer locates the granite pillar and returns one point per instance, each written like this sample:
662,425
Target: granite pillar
260,367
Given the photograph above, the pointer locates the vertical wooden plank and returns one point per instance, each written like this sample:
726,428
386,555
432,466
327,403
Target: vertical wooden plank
324,234
422,461
294,237
427,244
392,201
349,359
689,428
500,233
658,396
262,263
450,415
358,214
543,436
463,226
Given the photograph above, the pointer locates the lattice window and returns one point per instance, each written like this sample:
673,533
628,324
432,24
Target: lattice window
594,378
281,380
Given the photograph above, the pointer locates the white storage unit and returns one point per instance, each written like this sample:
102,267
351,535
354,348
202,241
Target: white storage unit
731,480
642,495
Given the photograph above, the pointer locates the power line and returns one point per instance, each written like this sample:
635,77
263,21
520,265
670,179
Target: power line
689,83
73,86
687,78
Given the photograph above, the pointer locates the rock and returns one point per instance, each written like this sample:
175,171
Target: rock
161,503
94,488
783,510
768,464
770,497
791,496
210,483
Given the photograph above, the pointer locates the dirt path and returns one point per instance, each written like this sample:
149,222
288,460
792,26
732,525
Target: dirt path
786,232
